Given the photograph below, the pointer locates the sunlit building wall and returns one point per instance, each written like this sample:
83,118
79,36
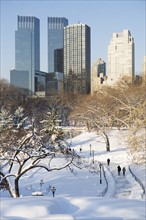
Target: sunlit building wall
98,75
121,53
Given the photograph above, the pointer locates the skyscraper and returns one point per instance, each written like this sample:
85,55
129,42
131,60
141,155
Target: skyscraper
27,52
121,57
58,60
77,58
55,38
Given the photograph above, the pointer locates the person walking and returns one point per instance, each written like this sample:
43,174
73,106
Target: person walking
53,191
124,171
108,161
119,170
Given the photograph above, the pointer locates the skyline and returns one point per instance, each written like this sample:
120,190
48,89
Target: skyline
103,17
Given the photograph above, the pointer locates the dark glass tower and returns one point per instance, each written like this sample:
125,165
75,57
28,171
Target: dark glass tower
55,38
27,52
58,60
77,58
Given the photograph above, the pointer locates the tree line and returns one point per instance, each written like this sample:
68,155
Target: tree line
31,128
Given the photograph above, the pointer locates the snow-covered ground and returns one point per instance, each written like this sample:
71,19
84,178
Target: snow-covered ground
87,193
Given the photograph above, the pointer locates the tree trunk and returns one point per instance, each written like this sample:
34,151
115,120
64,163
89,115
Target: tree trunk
9,188
106,141
17,187
88,126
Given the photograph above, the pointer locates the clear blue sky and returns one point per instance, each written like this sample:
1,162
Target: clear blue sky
104,18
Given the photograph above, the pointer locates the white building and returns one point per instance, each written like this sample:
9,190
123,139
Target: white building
121,57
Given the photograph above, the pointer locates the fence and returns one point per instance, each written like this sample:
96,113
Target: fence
106,188
138,181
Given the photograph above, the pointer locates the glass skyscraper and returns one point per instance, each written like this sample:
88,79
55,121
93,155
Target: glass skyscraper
27,52
77,58
55,38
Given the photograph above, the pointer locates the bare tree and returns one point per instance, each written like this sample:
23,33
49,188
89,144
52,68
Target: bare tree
129,112
10,96
93,112
26,151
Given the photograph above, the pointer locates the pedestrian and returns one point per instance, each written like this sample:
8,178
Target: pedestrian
124,171
119,170
53,190
108,161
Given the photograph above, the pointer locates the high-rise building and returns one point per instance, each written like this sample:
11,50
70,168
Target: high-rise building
54,83
121,55
58,60
27,53
55,38
100,67
98,75
77,58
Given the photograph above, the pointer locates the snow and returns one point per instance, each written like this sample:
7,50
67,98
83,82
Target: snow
79,194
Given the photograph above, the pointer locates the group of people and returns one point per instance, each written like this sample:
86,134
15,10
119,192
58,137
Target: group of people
118,168
123,170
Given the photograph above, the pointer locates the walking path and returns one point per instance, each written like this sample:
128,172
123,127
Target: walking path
122,186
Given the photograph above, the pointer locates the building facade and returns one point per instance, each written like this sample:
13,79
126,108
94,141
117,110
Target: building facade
54,83
20,78
77,58
58,60
55,38
27,53
121,57
98,75
100,67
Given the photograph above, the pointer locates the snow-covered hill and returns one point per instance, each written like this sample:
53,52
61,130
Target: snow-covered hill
85,193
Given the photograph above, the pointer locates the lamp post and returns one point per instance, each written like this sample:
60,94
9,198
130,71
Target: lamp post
90,149
100,173
41,183
33,126
93,156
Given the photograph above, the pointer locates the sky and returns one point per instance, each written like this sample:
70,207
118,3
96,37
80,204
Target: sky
104,17
81,196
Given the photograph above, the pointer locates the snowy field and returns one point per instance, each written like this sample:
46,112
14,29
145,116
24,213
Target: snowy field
86,193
